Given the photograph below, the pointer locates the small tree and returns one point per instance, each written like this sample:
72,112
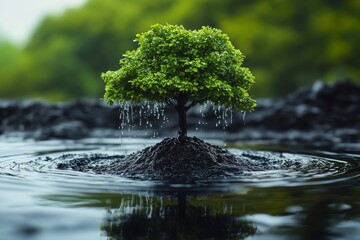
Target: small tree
182,68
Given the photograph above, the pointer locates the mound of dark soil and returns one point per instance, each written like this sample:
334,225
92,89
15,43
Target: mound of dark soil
187,157
181,158
185,160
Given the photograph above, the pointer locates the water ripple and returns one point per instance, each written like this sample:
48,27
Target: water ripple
287,169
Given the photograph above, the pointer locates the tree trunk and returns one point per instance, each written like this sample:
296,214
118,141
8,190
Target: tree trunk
181,109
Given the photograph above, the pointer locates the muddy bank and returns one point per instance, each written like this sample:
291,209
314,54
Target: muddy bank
321,113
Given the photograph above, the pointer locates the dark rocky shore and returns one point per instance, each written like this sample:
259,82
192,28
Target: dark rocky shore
319,113
310,117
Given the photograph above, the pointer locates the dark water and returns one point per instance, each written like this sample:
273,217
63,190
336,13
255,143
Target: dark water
44,203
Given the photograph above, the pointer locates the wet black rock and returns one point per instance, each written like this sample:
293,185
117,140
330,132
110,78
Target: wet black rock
70,120
321,115
321,106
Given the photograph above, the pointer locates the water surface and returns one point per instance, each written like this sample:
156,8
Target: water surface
44,203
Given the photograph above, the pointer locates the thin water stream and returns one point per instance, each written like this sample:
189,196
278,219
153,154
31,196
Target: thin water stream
40,202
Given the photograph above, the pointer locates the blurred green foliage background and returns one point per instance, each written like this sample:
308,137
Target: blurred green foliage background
288,43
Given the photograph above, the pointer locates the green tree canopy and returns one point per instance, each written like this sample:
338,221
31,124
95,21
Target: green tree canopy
182,68
170,60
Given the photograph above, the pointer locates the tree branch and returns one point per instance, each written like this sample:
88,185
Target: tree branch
171,104
190,106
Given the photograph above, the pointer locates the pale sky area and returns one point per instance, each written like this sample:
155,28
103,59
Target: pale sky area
18,18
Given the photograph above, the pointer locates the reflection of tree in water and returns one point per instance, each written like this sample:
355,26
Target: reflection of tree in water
140,217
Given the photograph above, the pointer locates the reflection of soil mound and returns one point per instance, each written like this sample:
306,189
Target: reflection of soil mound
159,216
